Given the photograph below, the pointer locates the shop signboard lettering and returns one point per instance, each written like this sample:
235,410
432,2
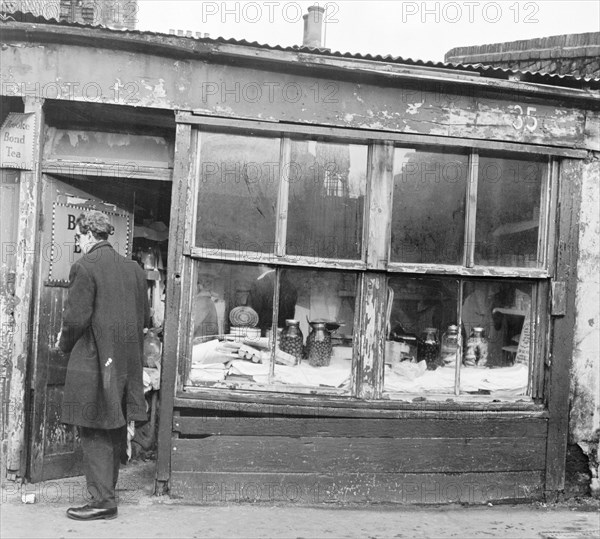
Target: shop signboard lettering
63,250
17,137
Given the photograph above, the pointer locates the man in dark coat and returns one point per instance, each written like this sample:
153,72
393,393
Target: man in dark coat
103,330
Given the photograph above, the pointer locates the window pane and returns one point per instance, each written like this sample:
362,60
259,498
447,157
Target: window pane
496,321
428,219
421,311
237,196
508,211
322,302
232,314
221,320
326,199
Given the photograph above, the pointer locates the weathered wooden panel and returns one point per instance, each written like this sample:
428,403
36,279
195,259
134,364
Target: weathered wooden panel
62,465
24,307
182,172
368,369
9,215
58,437
211,425
258,127
305,489
268,404
351,455
54,299
445,108
380,185
560,359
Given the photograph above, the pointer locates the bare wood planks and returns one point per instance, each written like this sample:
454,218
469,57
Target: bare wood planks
407,104
558,386
482,427
278,454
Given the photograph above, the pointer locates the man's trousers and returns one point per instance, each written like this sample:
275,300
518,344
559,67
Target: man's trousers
101,460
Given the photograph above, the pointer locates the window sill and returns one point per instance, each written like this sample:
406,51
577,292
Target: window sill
260,402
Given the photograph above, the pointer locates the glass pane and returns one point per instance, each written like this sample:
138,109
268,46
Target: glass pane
326,199
237,195
421,311
428,219
222,321
316,323
232,315
496,324
508,211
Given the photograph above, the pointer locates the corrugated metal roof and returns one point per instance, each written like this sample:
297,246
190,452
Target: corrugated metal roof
538,77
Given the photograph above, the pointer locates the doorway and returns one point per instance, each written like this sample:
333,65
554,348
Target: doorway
140,211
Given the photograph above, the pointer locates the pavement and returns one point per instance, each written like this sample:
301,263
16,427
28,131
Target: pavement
143,515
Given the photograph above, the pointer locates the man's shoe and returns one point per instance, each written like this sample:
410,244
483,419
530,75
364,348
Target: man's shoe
87,512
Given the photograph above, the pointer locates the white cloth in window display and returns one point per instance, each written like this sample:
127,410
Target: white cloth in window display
415,378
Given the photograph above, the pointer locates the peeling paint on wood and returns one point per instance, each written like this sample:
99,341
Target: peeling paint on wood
371,344
95,146
29,204
9,210
380,186
402,106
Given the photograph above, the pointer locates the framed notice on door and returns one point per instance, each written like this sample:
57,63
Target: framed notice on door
62,250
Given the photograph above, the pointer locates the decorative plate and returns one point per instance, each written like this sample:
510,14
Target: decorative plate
243,316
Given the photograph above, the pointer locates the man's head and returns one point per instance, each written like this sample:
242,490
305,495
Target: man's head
92,227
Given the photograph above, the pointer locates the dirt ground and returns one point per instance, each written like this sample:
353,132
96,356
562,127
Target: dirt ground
143,515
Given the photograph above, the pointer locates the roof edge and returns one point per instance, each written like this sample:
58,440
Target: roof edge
303,58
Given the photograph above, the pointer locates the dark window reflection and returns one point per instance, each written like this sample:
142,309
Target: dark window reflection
326,199
508,211
428,218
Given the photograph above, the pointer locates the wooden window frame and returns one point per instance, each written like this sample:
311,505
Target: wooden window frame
374,267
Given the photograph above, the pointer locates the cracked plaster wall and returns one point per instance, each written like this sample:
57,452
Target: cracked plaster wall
584,421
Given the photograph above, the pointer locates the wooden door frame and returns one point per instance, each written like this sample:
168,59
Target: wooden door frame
24,339
183,170
560,352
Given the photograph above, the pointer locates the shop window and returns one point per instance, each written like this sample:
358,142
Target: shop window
496,331
428,222
288,249
237,194
468,333
233,342
326,199
508,211
450,336
420,309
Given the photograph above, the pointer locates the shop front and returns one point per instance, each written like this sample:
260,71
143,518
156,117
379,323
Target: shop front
360,319
369,281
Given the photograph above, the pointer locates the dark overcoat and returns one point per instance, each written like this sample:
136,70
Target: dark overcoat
103,330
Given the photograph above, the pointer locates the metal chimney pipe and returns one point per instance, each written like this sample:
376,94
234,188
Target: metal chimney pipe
313,27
